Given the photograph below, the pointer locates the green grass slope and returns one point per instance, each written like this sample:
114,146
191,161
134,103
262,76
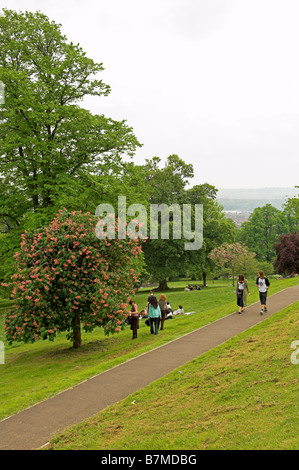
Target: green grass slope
241,395
32,373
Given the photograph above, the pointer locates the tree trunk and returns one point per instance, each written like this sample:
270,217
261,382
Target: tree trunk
162,285
77,331
204,279
47,201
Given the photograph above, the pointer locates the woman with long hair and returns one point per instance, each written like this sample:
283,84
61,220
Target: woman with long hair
163,307
245,292
240,293
154,313
134,318
262,282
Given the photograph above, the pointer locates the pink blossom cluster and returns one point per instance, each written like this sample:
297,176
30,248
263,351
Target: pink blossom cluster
229,255
65,270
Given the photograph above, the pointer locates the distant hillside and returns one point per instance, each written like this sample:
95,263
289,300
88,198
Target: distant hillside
246,200
257,193
249,204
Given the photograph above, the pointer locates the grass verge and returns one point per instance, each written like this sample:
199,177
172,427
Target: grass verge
32,373
242,395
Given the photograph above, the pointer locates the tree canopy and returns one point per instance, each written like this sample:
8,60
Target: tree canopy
66,276
46,139
287,254
262,230
53,152
58,158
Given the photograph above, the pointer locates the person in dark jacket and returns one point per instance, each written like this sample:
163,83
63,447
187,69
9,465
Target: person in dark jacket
262,282
240,293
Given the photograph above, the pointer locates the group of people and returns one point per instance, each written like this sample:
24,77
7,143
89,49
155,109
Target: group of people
159,310
262,282
156,312
191,288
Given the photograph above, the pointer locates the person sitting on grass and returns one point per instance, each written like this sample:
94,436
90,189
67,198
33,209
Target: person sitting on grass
143,313
179,311
169,311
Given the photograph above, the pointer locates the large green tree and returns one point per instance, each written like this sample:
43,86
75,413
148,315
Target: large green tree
262,231
291,208
45,135
67,278
52,151
217,229
169,257
165,185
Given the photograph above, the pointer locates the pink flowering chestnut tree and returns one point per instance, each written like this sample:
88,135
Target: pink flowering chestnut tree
67,279
234,256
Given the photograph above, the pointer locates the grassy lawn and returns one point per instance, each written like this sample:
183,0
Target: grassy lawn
242,395
32,373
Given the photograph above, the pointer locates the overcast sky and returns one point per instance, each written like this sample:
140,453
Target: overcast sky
213,81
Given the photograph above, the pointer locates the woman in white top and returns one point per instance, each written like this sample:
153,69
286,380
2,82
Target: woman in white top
179,311
240,293
262,282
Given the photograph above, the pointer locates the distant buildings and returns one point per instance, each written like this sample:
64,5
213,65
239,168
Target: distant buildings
237,216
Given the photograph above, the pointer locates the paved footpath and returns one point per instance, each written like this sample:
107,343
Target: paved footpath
34,427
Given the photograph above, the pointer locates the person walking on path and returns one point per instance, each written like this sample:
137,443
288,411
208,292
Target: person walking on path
134,318
150,296
154,313
163,307
240,293
262,282
245,292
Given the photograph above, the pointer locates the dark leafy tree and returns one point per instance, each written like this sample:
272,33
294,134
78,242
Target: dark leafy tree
287,254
